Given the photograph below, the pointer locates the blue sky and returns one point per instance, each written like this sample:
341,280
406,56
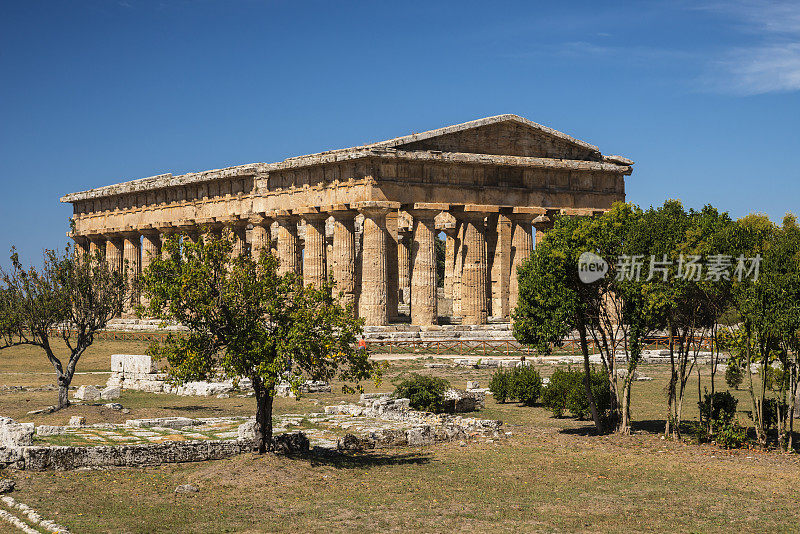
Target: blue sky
704,96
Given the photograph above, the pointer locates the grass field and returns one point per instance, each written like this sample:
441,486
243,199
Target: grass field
548,475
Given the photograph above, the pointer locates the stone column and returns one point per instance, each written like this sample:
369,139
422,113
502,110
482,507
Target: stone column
344,254
449,261
424,309
521,248
96,245
238,233
314,263
501,267
81,247
165,232
261,238
151,247
474,305
288,254
542,223
458,268
114,252
392,266
374,302
404,263
132,261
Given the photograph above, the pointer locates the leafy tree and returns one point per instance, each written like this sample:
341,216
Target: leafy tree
246,320
769,307
70,298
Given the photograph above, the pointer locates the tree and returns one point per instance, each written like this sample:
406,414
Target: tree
72,297
553,302
246,320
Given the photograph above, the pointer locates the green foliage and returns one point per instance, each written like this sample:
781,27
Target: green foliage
731,435
246,319
566,391
734,375
71,290
500,385
525,384
723,411
426,393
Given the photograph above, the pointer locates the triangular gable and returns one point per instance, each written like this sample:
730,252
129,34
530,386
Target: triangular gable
500,135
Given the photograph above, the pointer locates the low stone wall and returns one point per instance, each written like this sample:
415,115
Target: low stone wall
59,458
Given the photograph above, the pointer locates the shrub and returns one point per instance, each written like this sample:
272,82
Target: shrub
500,385
731,435
566,391
734,375
526,384
426,393
724,408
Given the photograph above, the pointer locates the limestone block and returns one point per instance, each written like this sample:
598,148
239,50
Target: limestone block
13,434
50,430
132,363
421,435
110,393
246,431
77,420
87,393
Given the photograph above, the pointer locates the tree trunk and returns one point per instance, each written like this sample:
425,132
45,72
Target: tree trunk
673,380
63,390
263,428
587,379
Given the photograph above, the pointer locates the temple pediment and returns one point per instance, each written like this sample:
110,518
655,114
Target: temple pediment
508,135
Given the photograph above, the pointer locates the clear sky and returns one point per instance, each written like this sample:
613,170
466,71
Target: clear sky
704,96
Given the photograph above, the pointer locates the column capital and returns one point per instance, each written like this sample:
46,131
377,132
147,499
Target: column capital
311,214
542,222
285,216
376,206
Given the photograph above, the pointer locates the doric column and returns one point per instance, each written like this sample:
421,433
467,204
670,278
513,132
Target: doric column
132,261
458,268
373,302
314,263
165,233
288,254
501,267
344,254
151,247
404,263
151,250
392,267
449,261
114,252
97,245
81,247
261,237
521,248
542,223
424,309
238,234
474,305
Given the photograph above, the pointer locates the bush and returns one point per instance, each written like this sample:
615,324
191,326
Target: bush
426,393
500,385
724,408
525,384
731,436
566,391
734,375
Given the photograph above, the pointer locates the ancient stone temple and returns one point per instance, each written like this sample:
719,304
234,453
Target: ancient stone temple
369,216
